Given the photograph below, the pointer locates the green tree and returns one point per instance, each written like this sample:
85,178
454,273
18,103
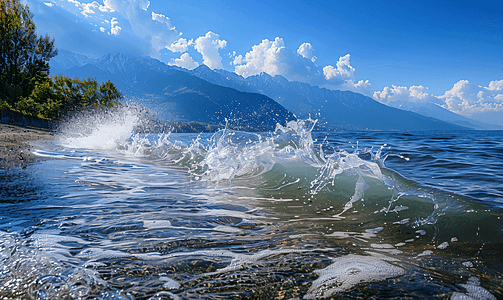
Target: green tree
24,57
25,84
43,102
56,97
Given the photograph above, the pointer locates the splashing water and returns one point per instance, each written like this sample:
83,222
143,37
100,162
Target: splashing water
99,129
228,155
234,214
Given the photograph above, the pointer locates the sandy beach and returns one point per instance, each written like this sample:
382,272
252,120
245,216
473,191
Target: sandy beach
16,144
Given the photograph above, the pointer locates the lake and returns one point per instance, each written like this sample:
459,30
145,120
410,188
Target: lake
290,214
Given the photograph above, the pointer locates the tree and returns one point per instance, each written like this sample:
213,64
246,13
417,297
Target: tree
25,84
24,57
56,97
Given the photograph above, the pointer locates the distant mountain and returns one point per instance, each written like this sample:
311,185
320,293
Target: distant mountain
295,96
175,95
435,111
66,60
212,96
334,109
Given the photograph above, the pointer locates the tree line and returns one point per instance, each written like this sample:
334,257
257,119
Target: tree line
25,84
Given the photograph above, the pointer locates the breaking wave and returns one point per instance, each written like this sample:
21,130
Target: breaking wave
386,221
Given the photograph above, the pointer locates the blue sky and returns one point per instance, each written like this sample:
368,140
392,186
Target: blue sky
446,52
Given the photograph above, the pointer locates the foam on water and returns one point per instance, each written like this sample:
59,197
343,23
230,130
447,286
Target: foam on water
28,272
350,270
473,291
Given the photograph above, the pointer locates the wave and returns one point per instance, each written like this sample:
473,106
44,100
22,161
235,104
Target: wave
351,196
288,164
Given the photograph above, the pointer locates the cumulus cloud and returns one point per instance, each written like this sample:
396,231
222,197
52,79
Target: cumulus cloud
115,29
342,71
185,61
208,45
362,87
268,56
468,99
49,4
306,50
495,86
464,98
86,9
105,8
416,93
274,58
181,45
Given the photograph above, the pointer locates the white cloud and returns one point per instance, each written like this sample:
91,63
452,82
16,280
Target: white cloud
87,8
362,87
181,45
306,50
467,99
274,58
416,93
344,70
268,57
115,29
135,29
495,86
162,19
185,61
102,29
106,8
464,98
49,4
144,5
208,46
154,30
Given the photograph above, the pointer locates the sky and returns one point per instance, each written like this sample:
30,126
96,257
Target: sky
445,52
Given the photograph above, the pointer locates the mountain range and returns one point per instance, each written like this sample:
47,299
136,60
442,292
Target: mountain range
438,112
301,98
255,103
175,95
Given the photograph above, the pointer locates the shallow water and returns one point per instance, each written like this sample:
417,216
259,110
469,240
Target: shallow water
291,214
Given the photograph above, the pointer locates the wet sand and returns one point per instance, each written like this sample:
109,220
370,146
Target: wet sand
16,144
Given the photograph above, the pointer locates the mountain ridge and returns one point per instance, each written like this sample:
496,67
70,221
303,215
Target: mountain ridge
175,95
182,95
353,110
279,88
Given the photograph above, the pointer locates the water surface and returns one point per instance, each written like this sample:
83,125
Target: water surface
289,214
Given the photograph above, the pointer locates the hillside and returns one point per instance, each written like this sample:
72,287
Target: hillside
176,95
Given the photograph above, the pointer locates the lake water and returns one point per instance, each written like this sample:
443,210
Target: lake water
290,214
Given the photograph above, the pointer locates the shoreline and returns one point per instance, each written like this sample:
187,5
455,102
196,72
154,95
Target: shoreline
16,144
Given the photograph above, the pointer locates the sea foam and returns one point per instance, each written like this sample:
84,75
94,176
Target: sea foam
350,270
